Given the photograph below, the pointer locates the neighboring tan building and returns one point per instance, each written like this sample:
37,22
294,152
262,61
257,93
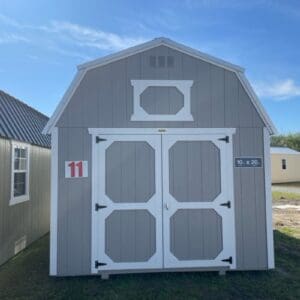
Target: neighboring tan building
285,165
24,176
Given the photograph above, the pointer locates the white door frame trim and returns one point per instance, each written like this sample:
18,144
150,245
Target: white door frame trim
118,131
207,133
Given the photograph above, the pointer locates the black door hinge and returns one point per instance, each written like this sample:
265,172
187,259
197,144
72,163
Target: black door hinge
229,259
99,139
99,264
228,204
225,139
98,206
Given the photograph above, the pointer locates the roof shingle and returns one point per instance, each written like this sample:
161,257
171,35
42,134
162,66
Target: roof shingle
21,122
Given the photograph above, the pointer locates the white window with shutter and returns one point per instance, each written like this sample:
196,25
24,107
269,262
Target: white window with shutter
20,173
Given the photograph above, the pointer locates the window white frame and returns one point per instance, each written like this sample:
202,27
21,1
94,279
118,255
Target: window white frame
19,199
184,114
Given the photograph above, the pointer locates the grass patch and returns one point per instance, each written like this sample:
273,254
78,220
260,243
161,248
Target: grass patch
278,195
291,231
26,277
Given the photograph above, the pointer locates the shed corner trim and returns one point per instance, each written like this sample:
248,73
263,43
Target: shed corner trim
268,195
53,202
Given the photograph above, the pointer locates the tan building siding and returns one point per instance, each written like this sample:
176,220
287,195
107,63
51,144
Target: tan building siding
292,171
27,221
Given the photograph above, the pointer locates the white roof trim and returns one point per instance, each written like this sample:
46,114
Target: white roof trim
160,42
82,69
257,104
64,102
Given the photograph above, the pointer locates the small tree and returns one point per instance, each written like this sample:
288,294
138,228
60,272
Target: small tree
291,140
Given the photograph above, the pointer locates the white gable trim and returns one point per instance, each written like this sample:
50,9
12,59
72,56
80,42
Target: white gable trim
64,102
82,69
257,104
160,42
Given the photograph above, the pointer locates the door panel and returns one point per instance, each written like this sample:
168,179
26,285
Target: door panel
130,171
130,236
127,231
194,171
196,234
198,227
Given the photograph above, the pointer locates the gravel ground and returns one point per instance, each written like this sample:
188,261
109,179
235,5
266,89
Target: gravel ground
286,213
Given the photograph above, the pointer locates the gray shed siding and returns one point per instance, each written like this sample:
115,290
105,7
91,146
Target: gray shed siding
30,218
104,98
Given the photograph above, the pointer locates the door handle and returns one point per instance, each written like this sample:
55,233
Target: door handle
167,206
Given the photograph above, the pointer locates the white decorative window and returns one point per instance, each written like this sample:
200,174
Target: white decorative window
20,173
181,89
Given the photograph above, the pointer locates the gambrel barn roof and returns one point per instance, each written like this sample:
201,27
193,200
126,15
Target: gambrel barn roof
162,41
20,122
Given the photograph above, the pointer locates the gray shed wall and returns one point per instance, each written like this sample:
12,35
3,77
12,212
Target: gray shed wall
30,218
104,98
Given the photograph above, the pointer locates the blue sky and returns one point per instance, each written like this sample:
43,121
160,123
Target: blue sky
41,42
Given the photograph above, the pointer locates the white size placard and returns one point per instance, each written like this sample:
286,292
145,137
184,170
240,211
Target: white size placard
76,169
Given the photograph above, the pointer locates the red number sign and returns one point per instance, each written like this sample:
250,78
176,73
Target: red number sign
76,169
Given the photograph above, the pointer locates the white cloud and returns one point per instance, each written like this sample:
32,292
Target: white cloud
8,38
232,4
66,52
64,38
86,36
280,90
9,21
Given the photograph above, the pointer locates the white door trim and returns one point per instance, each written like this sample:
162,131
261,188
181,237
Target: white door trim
118,131
209,133
98,217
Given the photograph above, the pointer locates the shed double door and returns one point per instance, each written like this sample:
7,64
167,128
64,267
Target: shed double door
162,201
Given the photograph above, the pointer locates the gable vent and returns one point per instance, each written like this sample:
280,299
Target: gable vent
152,61
161,61
170,61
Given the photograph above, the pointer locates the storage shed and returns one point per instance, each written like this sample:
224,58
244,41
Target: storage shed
285,165
24,176
160,162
